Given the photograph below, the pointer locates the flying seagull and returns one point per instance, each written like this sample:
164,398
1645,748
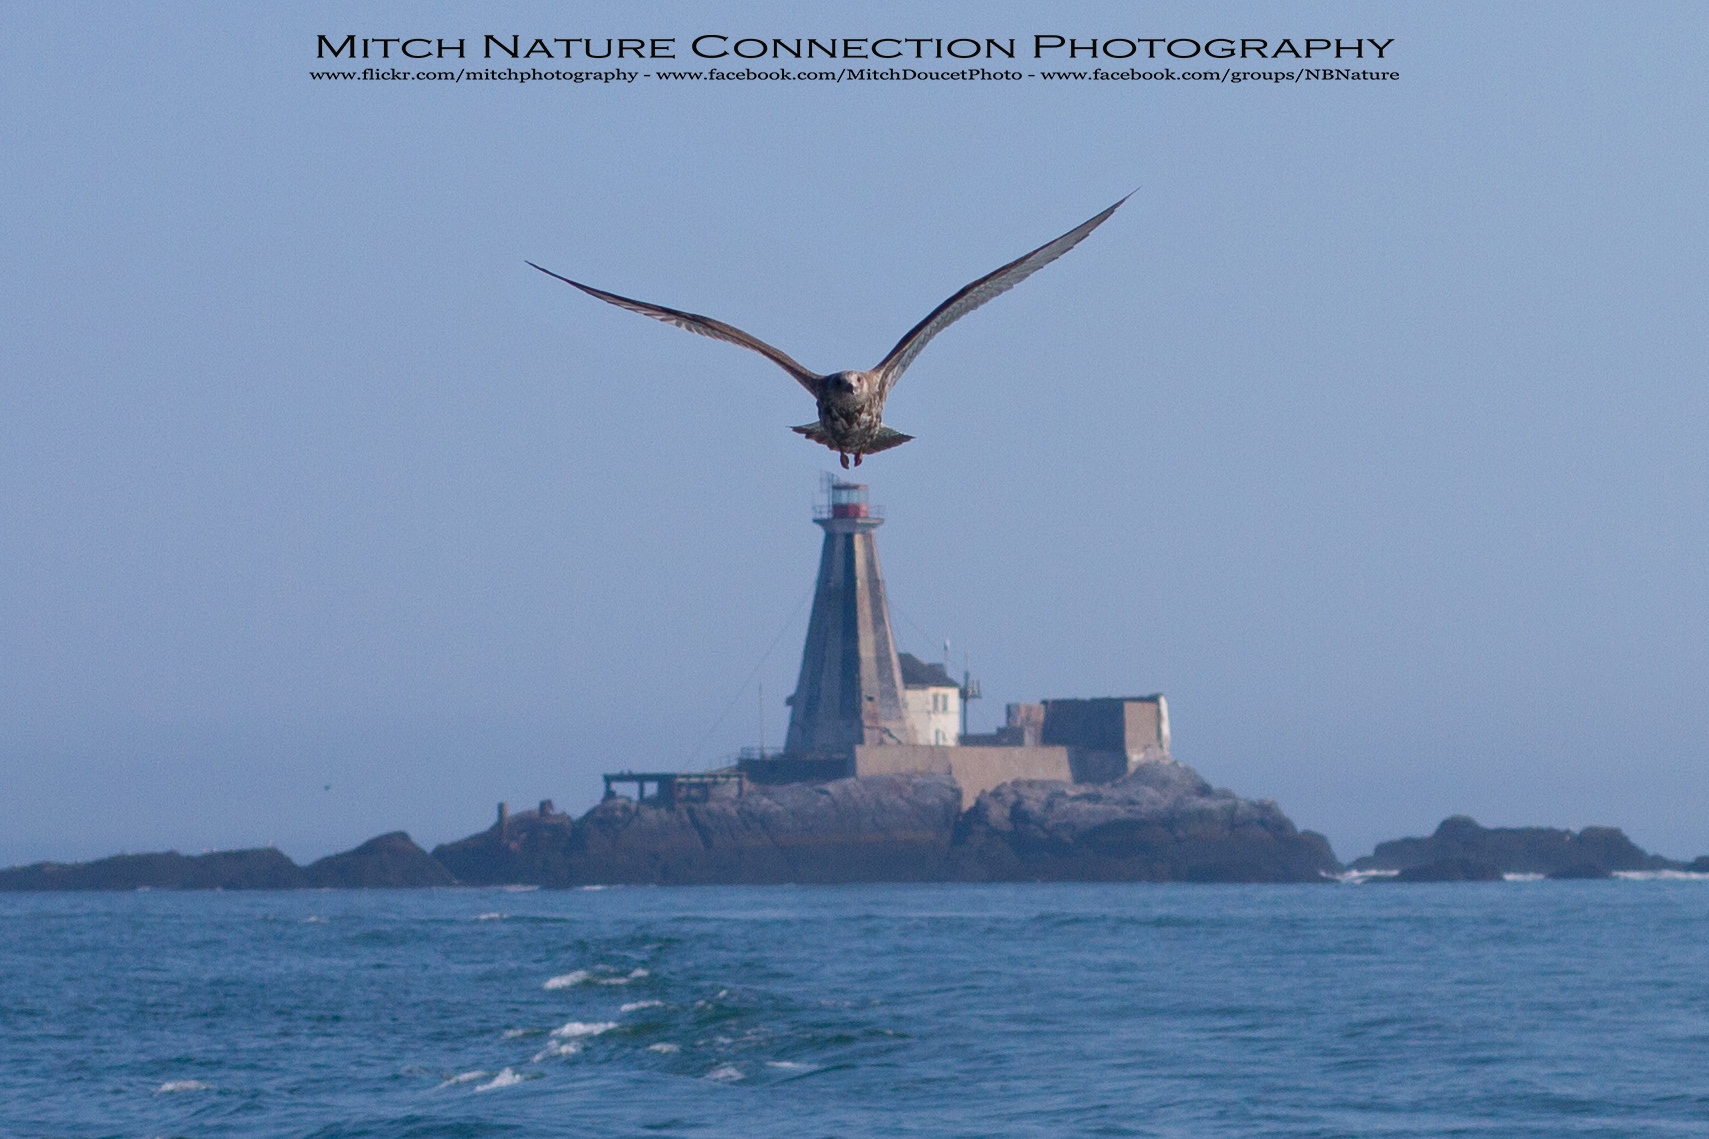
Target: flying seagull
851,404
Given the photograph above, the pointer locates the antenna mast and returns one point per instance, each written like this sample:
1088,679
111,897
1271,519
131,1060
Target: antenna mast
969,688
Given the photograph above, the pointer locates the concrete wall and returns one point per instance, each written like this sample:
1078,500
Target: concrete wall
1138,726
797,769
976,769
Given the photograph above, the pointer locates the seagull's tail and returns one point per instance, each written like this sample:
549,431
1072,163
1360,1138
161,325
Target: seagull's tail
816,433
885,439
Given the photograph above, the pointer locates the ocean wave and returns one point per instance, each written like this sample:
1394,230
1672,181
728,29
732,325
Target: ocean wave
518,889
727,1073
181,1086
1521,877
513,1033
636,1006
1357,876
465,1078
1662,875
491,917
566,980
505,1078
634,975
665,1048
561,1048
577,1028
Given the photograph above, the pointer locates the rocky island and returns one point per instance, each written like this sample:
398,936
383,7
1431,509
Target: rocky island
1461,850
388,860
1160,823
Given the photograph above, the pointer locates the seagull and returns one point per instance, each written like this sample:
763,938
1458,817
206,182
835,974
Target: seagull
851,404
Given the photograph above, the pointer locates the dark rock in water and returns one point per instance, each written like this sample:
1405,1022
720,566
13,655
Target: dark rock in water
881,828
1448,870
873,829
1700,864
1515,850
261,869
1582,870
529,847
389,860
1160,823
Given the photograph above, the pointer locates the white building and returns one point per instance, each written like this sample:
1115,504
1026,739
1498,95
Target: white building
931,701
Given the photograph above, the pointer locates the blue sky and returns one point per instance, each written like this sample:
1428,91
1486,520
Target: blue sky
1371,430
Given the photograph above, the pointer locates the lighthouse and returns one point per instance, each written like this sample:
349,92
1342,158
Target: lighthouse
850,689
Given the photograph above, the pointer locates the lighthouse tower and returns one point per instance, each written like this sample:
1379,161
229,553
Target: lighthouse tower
850,688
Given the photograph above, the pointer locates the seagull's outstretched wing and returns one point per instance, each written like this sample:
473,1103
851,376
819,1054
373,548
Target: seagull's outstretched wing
704,326
991,285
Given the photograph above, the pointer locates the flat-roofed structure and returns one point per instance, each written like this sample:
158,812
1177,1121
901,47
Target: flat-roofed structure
932,701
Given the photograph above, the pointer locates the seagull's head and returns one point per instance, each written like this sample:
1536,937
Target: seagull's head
849,389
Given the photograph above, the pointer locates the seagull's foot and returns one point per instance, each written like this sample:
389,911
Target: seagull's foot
845,460
858,458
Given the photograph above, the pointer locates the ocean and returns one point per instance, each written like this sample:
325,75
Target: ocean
1520,1008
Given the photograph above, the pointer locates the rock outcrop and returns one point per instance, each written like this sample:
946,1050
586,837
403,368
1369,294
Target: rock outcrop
1448,870
884,828
1160,823
1516,850
261,869
391,860
529,847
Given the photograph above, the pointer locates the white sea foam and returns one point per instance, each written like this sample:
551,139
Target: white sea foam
665,1048
566,980
1521,877
513,1033
518,889
181,1086
636,1006
789,1065
465,1078
313,921
562,1048
504,1079
1662,875
491,917
726,1072
578,1028
1357,876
